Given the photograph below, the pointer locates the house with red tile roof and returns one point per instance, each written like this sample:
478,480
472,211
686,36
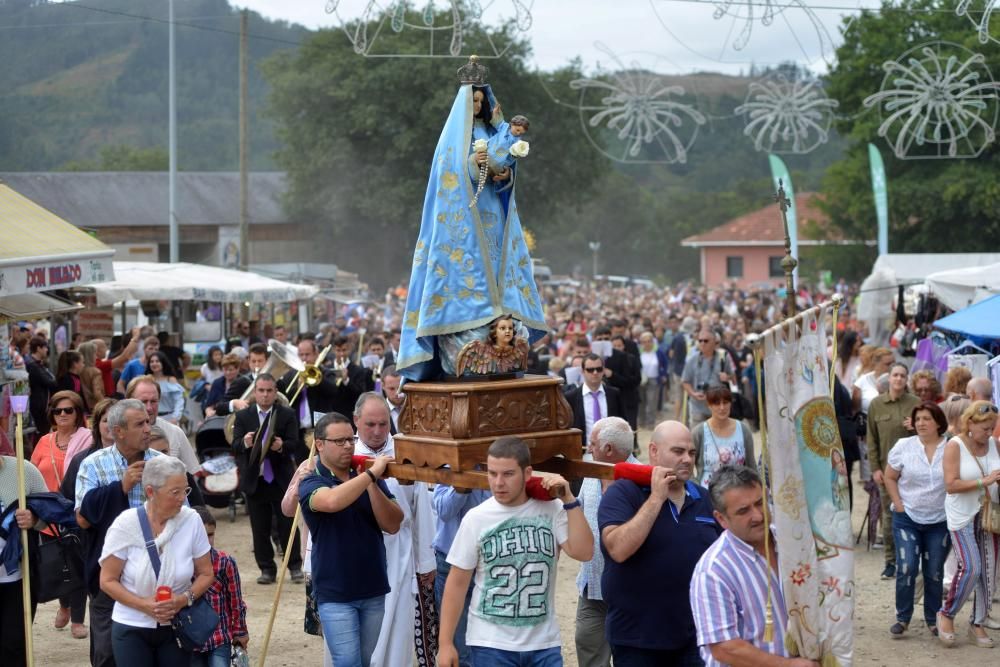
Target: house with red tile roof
748,250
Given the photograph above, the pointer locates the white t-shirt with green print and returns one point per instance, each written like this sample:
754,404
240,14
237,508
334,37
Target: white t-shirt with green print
514,551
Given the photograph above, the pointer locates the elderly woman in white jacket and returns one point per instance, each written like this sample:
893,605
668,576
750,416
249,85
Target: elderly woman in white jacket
140,630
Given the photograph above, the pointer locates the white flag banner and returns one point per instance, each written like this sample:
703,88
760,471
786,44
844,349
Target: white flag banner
808,485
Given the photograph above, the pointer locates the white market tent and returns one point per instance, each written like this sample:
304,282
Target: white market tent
960,288
879,289
43,252
150,281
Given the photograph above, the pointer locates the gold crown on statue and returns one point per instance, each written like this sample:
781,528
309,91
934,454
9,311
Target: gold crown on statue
473,72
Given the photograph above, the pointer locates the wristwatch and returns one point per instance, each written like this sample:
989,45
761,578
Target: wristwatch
190,597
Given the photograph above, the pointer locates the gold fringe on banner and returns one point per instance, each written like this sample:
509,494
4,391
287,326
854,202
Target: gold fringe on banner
766,460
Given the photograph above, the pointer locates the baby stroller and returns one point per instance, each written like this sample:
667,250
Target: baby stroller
221,480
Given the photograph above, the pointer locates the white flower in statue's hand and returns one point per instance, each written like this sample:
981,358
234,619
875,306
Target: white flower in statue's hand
479,146
519,148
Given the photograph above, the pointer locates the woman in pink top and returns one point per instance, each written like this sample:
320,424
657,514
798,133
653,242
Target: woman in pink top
52,453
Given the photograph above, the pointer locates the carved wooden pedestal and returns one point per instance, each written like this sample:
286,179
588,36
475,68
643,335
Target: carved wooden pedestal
454,423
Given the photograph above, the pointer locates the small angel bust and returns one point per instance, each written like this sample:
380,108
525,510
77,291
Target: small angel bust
500,352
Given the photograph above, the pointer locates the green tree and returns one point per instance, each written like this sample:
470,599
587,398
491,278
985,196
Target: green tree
358,135
934,205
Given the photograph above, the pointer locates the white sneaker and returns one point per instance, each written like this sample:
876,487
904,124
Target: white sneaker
991,623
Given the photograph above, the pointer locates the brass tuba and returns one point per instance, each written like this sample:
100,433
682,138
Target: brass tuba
283,358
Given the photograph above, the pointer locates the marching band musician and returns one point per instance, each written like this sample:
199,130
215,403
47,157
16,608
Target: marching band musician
351,380
311,402
265,438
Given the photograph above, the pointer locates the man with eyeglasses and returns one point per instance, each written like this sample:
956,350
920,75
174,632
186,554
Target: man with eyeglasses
346,512
108,483
264,439
408,552
622,371
594,400
708,367
146,390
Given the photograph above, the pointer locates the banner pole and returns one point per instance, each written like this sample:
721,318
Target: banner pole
29,649
282,570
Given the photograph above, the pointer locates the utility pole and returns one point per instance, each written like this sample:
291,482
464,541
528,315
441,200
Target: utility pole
244,176
172,147
594,247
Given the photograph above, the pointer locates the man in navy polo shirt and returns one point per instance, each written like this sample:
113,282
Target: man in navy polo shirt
346,513
652,539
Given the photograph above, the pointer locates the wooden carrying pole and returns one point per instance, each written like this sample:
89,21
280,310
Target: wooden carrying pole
472,479
29,650
283,569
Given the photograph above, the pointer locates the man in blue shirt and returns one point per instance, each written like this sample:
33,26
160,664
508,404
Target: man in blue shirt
346,513
651,539
610,442
450,506
137,367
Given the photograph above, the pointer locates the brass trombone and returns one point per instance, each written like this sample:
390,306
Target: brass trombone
309,375
282,358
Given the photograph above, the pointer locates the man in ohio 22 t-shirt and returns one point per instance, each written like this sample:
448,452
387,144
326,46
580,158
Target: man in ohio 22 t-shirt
512,542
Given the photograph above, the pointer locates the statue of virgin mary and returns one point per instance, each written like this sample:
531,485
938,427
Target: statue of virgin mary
470,264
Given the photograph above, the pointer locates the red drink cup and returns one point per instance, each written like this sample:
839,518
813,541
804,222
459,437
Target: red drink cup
164,594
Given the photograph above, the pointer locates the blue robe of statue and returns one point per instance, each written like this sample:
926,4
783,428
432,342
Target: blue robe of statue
470,265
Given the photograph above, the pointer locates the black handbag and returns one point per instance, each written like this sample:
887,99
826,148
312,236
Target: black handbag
60,565
194,625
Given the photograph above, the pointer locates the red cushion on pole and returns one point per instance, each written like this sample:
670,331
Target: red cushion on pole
358,462
534,489
637,472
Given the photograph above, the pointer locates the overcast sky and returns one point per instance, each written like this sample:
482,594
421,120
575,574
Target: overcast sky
670,36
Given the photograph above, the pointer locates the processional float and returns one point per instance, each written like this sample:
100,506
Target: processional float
471,258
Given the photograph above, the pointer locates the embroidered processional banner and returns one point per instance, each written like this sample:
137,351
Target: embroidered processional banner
808,486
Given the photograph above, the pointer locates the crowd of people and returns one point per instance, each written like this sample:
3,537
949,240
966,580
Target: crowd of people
674,568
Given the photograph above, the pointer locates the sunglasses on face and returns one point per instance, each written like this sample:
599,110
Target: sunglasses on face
599,369
704,340
63,411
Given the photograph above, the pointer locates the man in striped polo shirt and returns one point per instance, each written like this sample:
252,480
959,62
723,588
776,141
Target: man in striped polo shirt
729,585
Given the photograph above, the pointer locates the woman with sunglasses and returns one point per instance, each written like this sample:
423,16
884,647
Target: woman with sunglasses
53,451
140,623
971,469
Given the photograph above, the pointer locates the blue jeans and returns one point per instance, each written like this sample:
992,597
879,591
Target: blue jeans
351,629
494,657
443,568
220,656
919,547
